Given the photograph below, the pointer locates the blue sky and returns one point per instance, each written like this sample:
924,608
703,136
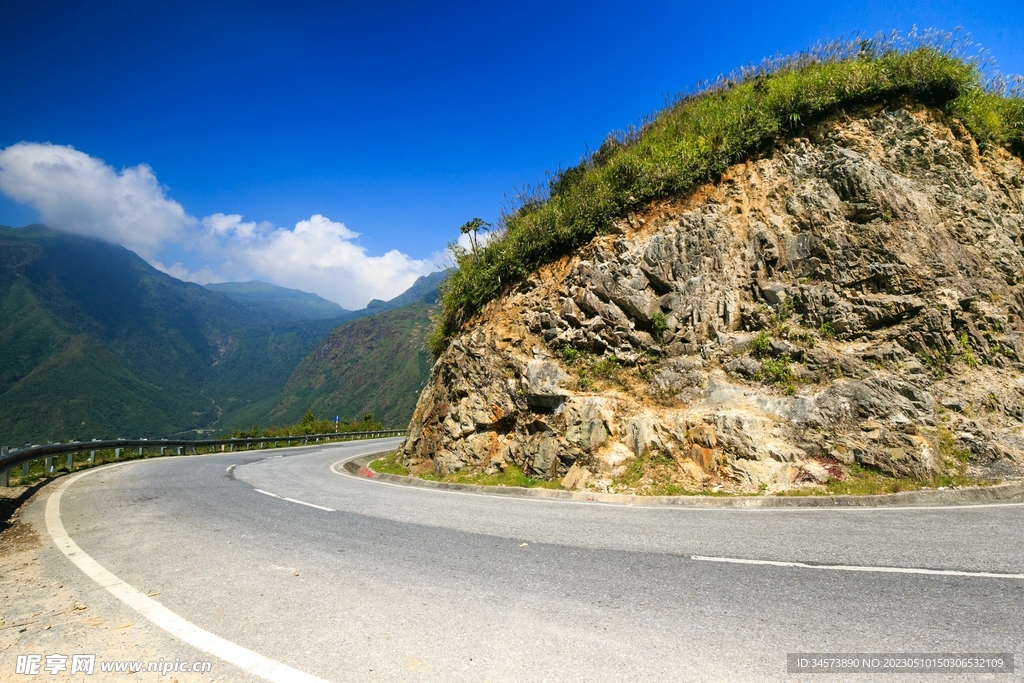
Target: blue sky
398,120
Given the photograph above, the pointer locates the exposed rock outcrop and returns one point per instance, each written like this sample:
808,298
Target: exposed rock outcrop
854,296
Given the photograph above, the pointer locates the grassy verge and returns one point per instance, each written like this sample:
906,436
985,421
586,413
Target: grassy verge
390,464
511,476
697,138
653,475
865,481
312,425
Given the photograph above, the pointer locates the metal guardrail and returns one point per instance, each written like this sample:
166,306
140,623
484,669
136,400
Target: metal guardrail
12,457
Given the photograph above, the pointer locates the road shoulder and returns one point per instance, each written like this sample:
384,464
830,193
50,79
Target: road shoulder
1009,493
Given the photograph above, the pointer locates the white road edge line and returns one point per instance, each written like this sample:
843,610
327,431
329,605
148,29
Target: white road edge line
856,568
245,659
292,500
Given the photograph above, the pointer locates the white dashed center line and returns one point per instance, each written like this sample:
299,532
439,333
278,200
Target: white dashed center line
292,500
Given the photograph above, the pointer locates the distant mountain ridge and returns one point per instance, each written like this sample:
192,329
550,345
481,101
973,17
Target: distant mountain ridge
279,302
273,301
425,290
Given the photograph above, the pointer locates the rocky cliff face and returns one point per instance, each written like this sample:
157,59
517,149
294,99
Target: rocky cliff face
853,297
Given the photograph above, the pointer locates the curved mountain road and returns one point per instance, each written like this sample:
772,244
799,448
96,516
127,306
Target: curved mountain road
350,579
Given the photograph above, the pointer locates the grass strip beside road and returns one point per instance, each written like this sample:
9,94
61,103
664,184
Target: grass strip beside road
391,463
857,481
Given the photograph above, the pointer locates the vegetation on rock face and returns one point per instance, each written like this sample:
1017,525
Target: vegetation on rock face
697,138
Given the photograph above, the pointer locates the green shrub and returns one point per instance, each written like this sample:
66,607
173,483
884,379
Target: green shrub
965,349
658,325
760,345
571,355
698,137
606,368
779,371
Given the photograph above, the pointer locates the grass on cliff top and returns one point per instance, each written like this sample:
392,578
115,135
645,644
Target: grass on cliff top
695,139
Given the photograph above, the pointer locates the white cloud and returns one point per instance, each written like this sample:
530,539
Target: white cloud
220,225
78,193
319,255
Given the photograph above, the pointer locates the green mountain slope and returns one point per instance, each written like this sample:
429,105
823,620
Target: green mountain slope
376,364
97,396
96,343
278,302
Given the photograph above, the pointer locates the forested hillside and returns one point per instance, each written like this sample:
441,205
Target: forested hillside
376,364
97,343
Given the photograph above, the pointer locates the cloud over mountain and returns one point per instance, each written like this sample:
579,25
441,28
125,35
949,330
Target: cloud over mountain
78,193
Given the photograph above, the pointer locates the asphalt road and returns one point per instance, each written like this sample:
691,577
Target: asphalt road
409,584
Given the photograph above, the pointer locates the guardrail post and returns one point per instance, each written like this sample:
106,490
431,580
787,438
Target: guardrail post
179,450
117,454
25,468
5,478
71,461
140,450
49,465
92,457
